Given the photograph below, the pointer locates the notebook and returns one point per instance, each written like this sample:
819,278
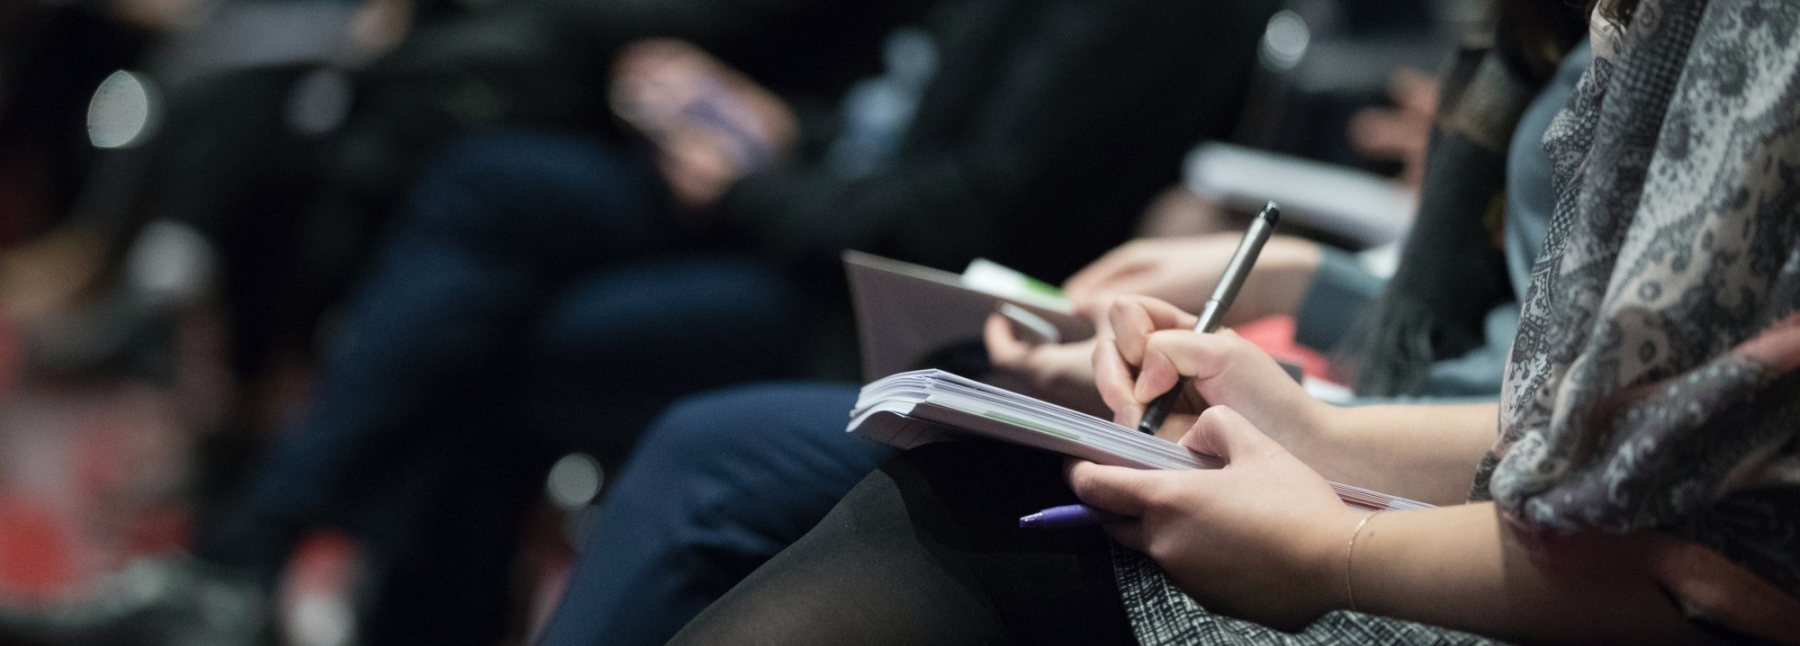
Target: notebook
907,315
923,406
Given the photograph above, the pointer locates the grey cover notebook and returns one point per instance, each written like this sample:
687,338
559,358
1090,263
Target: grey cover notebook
913,408
906,312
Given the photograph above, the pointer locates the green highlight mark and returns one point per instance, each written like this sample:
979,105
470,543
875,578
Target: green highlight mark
1032,425
1041,287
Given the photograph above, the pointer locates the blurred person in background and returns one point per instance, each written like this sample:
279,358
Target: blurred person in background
1043,130
279,136
282,156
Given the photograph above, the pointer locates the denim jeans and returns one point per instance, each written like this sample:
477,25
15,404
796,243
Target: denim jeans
719,485
532,300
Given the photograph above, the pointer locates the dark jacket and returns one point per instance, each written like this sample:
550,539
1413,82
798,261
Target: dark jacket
1047,129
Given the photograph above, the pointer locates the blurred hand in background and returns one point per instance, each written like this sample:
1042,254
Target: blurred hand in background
1178,211
1060,373
1400,133
1184,270
710,124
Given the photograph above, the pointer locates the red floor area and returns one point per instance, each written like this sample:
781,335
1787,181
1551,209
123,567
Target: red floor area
93,475
89,477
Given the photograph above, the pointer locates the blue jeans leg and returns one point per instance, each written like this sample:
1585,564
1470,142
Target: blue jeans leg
615,348
493,227
612,349
719,485
618,346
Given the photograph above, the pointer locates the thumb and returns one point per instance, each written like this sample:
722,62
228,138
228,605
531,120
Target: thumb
1222,432
1121,490
1003,348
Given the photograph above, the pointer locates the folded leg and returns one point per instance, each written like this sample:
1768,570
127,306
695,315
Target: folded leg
928,551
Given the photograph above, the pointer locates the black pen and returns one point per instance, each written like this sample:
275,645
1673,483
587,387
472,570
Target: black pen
1213,314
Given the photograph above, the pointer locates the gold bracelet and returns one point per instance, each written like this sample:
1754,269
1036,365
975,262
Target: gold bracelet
1349,556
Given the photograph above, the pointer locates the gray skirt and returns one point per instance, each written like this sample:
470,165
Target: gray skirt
1162,615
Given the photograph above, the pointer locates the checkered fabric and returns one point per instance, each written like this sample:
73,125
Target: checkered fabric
1162,616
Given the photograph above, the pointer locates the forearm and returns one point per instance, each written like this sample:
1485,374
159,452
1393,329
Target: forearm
1424,452
1464,567
1279,281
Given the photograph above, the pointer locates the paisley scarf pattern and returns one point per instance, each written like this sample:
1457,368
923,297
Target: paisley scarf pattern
1652,384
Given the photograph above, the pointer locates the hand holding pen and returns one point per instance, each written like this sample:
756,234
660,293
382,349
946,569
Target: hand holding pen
1213,313
1156,412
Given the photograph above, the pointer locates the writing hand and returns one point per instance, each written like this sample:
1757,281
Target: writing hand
1152,343
1262,538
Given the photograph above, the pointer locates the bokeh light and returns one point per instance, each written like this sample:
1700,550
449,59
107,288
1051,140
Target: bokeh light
123,111
1285,40
574,481
319,101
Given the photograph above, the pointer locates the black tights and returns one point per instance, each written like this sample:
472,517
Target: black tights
928,551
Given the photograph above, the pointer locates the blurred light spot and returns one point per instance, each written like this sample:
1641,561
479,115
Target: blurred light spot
169,263
123,111
1284,42
574,481
319,101
322,620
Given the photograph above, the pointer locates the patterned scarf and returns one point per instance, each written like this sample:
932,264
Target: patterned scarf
1652,384
1452,271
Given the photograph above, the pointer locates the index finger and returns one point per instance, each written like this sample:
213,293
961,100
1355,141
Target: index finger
1135,318
1116,384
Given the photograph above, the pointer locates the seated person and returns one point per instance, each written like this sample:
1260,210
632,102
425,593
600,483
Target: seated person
1637,486
509,313
726,480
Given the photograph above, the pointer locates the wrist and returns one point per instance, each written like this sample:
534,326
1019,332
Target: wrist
1333,561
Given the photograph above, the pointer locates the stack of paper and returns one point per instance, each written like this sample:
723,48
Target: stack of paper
914,408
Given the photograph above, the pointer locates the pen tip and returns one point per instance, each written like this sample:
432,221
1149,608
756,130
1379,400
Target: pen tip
1030,521
1273,212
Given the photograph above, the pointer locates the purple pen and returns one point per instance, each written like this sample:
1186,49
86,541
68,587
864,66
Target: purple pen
1068,516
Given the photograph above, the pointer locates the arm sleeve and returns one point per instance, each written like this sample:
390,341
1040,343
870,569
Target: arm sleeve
1048,127
1339,292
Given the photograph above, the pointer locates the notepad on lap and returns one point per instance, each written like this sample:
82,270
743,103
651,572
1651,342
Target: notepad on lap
906,314
914,408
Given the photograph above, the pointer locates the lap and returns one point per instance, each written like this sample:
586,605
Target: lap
558,199
774,455
928,550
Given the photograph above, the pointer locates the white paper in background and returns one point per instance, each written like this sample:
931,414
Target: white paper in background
906,312
985,275
1362,206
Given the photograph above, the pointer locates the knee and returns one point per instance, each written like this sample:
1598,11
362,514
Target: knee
721,424
702,451
749,431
